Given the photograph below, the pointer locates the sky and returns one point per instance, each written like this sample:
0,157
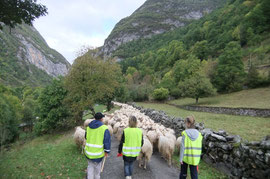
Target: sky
72,24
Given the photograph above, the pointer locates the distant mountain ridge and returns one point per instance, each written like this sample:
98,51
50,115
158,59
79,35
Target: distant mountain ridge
26,58
156,17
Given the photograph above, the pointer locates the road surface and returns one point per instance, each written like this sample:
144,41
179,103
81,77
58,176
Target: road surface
157,168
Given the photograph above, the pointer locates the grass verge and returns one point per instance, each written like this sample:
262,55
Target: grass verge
249,128
252,98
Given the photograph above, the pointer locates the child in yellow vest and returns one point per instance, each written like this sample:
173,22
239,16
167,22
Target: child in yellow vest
191,149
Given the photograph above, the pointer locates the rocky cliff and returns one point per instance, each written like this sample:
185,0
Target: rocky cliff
26,58
156,17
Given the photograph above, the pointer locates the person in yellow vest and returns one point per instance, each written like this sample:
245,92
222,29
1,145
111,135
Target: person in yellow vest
130,146
191,149
98,145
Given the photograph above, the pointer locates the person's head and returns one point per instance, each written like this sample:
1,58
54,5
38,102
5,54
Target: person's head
99,116
132,123
190,122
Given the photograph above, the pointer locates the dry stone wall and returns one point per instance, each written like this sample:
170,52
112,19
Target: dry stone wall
230,153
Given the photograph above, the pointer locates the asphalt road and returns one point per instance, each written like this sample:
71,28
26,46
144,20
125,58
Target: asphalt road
157,168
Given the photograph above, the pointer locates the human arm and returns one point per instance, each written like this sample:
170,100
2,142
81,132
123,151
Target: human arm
120,147
107,141
182,149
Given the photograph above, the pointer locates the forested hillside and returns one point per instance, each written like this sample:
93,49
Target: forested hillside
26,59
233,40
157,17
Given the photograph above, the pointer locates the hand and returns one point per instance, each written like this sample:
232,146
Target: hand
105,154
181,163
119,155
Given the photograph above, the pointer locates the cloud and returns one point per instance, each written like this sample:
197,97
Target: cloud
71,24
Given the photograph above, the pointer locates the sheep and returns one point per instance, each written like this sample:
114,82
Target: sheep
171,136
178,144
87,122
110,129
166,148
146,153
153,138
115,127
79,137
119,133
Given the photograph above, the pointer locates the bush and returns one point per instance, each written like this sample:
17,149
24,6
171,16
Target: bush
160,94
8,121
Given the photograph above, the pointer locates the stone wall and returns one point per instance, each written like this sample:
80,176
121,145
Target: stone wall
233,111
231,154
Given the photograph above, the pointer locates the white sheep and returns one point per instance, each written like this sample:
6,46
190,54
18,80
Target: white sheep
178,144
115,127
146,153
79,137
110,129
153,138
87,122
119,133
166,148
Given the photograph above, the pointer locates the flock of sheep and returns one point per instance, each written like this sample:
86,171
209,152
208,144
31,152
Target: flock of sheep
156,136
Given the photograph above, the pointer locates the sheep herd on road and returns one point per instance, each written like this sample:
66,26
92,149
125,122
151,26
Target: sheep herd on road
156,136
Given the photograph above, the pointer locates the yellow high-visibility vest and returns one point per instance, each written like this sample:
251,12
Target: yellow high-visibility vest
94,148
133,142
193,149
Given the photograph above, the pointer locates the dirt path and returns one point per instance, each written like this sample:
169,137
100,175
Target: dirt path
157,168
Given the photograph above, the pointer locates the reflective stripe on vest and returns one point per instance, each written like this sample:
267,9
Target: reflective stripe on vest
193,150
94,142
133,142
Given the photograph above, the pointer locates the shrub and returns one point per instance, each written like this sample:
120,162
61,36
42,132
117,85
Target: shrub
160,94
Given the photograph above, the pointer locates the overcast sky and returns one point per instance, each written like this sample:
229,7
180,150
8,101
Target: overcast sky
71,24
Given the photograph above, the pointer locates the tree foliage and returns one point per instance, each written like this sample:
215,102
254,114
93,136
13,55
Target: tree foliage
161,94
53,112
91,80
14,12
230,74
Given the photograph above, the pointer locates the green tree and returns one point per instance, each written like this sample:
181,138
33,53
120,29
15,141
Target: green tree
8,121
90,81
53,111
14,12
131,70
160,94
200,49
253,78
197,86
230,74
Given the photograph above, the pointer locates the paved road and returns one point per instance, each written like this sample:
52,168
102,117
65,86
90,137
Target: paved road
157,168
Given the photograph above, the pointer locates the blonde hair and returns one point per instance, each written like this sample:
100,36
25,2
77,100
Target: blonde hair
191,121
132,122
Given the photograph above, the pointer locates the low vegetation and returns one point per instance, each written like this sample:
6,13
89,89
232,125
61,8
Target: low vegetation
249,128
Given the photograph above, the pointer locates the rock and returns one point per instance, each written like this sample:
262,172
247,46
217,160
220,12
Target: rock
237,153
224,146
266,144
252,153
254,143
260,152
267,158
218,137
234,138
244,148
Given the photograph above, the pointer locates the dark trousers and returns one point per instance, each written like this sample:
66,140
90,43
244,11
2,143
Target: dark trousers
193,171
128,168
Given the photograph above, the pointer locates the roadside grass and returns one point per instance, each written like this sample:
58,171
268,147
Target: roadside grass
252,98
49,156
249,128
206,171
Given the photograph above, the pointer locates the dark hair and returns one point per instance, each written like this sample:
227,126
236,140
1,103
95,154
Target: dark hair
191,121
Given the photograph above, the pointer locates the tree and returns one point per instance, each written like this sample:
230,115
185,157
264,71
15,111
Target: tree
89,81
53,111
230,74
253,78
160,94
8,121
200,49
14,12
197,86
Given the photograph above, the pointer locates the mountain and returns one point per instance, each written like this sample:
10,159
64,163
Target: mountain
26,58
156,17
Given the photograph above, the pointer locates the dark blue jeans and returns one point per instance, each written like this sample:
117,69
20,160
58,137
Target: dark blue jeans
128,168
193,171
